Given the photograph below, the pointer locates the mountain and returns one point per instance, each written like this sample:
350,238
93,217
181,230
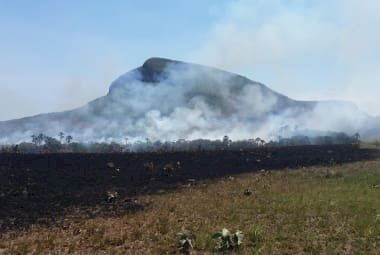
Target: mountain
169,100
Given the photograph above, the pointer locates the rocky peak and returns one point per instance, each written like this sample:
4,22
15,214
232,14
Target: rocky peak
153,69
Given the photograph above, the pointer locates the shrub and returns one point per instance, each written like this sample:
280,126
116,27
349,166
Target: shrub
331,174
247,192
255,236
112,196
185,241
377,218
227,241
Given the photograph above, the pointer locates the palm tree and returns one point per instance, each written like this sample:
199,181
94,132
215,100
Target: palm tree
69,138
34,139
226,141
356,137
61,135
40,139
258,140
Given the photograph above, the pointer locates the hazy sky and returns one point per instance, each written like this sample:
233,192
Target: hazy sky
57,55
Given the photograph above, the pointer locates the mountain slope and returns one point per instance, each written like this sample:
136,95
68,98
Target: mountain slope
168,100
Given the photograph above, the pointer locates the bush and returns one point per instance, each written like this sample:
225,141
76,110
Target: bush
255,237
227,241
377,218
185,241
330,174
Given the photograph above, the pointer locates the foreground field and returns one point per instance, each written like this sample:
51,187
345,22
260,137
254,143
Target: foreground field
312,210
36,188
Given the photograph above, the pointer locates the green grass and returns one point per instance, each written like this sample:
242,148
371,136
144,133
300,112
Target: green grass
370,145
313,210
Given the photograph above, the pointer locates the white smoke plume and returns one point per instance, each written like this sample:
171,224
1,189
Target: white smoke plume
169,100
304,49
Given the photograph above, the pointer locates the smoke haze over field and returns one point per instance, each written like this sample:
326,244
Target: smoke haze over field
170,100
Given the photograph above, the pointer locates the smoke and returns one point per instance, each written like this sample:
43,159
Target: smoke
187,101
304,49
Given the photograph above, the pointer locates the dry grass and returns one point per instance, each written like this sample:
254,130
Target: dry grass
314,210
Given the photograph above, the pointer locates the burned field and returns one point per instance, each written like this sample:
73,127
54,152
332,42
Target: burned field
286,200
39,188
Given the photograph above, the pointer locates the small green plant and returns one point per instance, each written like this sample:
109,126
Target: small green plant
377,218
331,174
185,241
247,192
255,237
227,241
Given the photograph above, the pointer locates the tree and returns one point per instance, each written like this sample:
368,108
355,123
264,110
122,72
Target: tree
15,149
226,141
258,141
356,138
78,147
61,136
52,144
40,139
115,147
69,138
27,147
126,147
34,139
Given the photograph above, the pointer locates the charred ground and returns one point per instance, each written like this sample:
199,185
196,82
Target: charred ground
40,188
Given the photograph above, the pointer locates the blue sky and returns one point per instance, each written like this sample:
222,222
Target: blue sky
57,55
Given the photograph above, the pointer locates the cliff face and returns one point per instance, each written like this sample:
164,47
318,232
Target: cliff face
167,99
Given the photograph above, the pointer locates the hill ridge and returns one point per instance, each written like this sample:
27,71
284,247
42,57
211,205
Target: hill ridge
169,99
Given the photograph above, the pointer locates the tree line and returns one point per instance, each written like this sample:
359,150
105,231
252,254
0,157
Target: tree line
66,144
